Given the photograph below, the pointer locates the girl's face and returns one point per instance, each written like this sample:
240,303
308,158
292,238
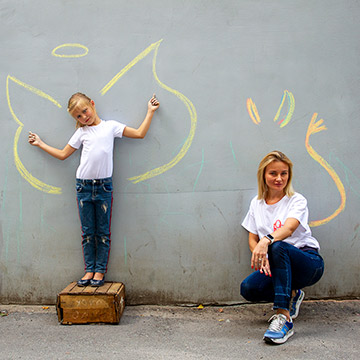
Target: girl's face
276,176
85,113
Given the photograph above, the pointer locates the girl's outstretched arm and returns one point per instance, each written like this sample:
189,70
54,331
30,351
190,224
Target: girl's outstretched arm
141,131
63,154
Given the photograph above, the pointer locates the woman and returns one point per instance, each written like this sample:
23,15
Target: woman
284,253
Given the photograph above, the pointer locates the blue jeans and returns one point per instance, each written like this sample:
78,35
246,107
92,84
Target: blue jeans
94,198
291,268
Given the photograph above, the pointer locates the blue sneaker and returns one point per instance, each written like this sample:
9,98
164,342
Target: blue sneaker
279,329
296,302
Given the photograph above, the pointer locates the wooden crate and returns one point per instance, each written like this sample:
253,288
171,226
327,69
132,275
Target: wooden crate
82,305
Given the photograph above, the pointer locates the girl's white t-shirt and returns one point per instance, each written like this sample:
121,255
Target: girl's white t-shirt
96,161
263,219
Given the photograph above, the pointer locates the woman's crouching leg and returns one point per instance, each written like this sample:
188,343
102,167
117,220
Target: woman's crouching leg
257,287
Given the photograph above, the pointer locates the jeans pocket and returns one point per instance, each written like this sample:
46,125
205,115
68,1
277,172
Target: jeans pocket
107,187
79,187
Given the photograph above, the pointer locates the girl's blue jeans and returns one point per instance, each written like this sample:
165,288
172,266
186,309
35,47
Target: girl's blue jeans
291,268
94,198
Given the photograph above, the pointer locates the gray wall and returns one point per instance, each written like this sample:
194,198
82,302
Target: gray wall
176,235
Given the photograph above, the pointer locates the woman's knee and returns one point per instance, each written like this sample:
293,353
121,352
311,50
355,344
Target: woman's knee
246,290
277,250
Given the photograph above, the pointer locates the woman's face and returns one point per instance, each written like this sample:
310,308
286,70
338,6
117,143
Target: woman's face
277,176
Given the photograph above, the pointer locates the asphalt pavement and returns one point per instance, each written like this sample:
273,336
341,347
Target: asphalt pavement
323,330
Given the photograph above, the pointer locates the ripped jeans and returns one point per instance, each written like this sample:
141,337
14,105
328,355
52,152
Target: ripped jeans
94,198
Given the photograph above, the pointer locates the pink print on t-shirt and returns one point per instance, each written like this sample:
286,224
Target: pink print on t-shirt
277,225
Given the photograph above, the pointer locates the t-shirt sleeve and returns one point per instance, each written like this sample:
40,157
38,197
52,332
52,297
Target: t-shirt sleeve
75,140
249,222
298,209
118,128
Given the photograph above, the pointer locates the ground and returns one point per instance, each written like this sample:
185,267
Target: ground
323,330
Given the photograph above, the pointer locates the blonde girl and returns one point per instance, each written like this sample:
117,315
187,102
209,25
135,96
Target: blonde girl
94,176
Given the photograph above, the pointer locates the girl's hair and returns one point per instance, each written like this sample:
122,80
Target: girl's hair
74,102
268,159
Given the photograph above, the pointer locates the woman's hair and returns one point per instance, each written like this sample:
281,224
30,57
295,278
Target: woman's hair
268,159
74,102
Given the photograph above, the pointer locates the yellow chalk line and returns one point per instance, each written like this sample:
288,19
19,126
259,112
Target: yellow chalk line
315,127
19,165
71,55
143,54
253,112
291,108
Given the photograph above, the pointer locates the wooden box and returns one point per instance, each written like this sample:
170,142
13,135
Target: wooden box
82,305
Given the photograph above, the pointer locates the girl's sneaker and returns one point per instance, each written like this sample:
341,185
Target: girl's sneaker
279,329
296,302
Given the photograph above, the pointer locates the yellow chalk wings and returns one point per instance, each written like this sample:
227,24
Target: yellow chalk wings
36,183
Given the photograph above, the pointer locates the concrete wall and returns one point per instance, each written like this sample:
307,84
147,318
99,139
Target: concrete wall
236,79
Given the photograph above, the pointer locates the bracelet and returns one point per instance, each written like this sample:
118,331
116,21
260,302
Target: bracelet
270,238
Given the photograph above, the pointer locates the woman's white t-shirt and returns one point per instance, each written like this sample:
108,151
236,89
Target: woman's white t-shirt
96,161
263,219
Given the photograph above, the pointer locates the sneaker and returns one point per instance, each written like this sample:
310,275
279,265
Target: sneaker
296,302
279,329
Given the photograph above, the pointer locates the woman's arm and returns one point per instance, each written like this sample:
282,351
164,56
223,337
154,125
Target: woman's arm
63,154
290,225
260,249
141,131
253,240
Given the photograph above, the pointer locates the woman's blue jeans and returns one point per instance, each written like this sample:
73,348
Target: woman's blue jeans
94,198
291,268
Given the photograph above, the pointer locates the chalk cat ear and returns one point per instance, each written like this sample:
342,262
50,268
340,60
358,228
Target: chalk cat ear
36,183
254,114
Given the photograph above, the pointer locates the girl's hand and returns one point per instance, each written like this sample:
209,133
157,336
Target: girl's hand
258,258
153,103
265,268
34,139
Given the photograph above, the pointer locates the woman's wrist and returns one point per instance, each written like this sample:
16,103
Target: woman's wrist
269,238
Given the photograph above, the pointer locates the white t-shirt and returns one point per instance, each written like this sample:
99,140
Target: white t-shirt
96,161
263,219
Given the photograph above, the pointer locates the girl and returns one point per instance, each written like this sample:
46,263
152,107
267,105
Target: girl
93,177
284,253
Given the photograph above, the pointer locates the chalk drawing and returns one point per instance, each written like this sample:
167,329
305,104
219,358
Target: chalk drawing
188,104
76,46
313,128
200,170
233,153
349,174
19,165
291,107
254,114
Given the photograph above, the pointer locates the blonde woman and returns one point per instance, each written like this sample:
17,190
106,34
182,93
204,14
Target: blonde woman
285,255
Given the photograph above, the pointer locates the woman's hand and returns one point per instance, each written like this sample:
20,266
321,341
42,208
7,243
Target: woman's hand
258,258
34,139
265,268
153,103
